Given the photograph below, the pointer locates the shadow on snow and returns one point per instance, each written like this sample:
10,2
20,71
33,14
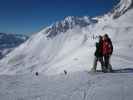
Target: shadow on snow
124,70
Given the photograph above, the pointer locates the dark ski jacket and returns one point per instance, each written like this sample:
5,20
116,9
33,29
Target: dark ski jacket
98,52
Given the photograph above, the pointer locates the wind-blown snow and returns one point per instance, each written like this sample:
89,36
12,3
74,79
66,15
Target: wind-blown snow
70,46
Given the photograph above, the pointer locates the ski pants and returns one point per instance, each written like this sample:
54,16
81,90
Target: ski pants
107,64
96,59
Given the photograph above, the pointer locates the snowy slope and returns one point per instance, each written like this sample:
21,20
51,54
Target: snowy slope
69,44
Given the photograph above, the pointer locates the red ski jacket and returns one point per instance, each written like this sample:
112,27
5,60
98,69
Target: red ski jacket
106,48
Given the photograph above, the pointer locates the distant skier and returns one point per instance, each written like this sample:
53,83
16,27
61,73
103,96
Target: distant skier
107,52
36,73
65,72
98,55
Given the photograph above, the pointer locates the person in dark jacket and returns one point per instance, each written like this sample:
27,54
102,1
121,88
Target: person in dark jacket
107,52
98,55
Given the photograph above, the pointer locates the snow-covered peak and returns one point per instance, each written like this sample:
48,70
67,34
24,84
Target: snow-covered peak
68,23
72,21
122,7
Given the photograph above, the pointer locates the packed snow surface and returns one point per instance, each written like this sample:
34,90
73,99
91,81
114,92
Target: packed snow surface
74,86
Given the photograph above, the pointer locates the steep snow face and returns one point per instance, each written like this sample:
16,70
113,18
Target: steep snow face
69,45
122,7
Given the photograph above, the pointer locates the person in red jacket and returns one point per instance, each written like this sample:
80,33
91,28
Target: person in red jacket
98,55
107,52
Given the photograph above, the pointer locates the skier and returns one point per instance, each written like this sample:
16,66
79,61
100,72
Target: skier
36,73
98,55
107,52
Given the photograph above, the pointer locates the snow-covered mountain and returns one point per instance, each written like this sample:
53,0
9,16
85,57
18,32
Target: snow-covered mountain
9,41
121,8
69,44
69,23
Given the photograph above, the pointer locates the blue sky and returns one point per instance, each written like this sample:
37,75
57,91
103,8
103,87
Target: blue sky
30,16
